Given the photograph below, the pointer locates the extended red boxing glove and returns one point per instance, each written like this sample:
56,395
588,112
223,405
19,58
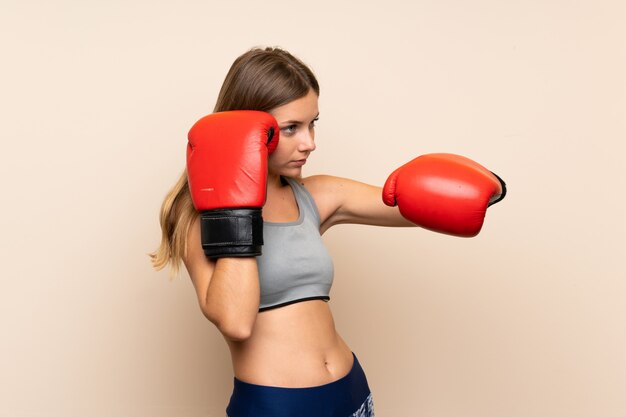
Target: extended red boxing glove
445,193
227,171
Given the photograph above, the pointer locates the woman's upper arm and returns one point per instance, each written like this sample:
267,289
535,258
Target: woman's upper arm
342,200
199,267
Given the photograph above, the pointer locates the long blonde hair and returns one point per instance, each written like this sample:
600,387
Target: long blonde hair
260,79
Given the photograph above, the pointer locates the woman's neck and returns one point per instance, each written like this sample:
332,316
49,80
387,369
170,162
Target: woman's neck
274,181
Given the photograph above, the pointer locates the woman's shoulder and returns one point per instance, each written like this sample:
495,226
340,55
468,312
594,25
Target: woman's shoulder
326,191
330,185
321,182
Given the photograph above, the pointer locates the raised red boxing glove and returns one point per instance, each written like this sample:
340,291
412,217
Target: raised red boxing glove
227,171
444,193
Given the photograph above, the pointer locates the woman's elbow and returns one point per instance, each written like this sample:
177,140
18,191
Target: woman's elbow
236,334
236,329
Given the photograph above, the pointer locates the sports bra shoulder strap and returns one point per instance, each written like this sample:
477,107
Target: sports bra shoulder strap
304,198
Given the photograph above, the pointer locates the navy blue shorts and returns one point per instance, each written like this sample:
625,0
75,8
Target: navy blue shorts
349,396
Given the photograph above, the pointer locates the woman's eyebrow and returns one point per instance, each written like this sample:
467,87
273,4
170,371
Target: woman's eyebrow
294,122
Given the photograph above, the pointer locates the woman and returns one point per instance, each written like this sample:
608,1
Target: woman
288,358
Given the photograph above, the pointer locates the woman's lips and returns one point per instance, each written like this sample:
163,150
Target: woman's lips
298,163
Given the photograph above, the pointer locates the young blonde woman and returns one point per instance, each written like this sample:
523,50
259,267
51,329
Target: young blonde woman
248,228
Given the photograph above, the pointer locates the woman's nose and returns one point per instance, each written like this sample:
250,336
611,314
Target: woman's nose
308,141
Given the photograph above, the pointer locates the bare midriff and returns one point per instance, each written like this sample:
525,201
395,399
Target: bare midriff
294,346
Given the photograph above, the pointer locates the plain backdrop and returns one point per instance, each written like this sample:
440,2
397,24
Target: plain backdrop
526,319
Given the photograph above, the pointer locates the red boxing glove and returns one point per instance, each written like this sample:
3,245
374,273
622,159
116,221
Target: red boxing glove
227,172
444,193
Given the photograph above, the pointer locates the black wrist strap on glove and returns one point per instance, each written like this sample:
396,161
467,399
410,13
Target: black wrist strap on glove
231,232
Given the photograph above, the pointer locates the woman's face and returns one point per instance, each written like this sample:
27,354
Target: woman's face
296,121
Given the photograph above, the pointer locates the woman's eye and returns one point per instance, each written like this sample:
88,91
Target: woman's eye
314,121
289,129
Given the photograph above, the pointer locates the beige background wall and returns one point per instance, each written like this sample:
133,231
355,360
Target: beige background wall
527,319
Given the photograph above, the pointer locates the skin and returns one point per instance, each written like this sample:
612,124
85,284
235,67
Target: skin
297,345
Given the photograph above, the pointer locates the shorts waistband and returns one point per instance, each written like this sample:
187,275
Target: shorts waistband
336,399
